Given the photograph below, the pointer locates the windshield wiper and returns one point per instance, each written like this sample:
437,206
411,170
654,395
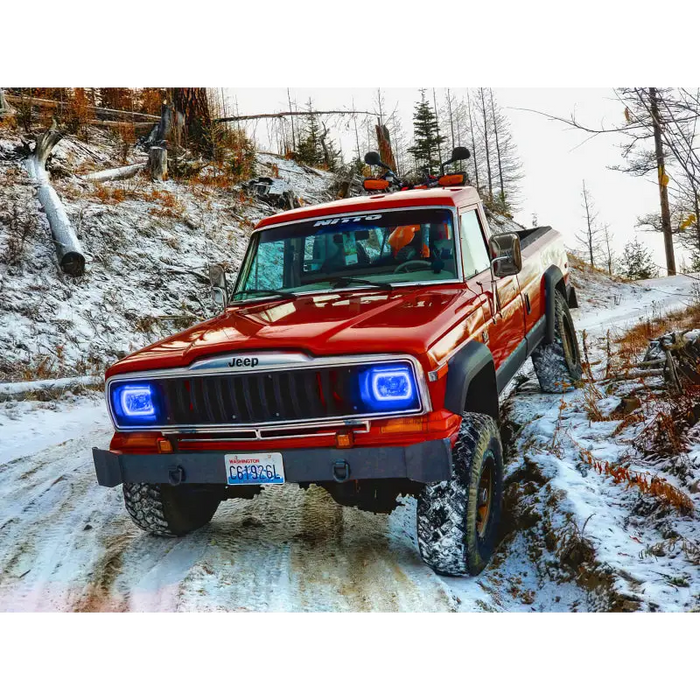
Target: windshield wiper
347,281
270,292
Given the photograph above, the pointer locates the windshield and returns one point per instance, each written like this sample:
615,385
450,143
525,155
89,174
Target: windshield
380,249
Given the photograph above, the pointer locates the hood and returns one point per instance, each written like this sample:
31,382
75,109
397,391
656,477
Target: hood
339,323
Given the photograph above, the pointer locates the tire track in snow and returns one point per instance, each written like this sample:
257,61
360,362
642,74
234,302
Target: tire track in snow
67,544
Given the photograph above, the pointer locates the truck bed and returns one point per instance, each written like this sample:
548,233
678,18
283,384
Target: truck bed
530,235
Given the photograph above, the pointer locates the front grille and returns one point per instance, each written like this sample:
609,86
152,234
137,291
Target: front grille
261,397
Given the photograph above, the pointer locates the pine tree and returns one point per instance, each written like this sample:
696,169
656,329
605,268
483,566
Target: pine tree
309,147
636,262
426,136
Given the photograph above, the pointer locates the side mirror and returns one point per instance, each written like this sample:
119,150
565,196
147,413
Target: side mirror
506,258
217,279
373,158
459,153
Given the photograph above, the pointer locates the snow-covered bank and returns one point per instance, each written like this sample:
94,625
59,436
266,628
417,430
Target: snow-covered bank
574,539
147,246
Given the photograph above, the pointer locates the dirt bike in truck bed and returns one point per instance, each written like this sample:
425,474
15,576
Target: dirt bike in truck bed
363,349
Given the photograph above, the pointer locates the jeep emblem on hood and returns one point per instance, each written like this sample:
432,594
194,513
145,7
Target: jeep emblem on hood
243,362
248,362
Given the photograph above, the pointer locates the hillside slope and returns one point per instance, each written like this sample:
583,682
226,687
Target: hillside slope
147,245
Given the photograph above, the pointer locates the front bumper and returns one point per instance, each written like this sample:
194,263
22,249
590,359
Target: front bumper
424,462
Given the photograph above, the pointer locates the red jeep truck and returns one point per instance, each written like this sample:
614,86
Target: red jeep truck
363,349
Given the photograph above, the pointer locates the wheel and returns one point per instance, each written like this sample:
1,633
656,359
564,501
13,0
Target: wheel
170,511
558,364
457,519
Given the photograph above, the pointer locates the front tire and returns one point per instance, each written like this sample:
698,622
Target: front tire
457,519
170,511
558,364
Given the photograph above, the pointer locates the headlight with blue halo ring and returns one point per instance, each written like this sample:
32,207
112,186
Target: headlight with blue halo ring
135,404
389,387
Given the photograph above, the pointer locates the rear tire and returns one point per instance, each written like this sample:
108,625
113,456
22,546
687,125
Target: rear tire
170,511
457,519
558,364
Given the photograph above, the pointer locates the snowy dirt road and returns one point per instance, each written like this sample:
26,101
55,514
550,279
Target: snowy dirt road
68,544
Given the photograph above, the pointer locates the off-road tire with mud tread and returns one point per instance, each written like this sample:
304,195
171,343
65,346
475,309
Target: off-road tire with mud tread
558,364
447,524
170,511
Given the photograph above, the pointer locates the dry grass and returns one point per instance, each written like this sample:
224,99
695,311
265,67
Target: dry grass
77,114
580,264
654,486
635,340
125,137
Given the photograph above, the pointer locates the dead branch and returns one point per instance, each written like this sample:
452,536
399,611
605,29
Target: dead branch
281,115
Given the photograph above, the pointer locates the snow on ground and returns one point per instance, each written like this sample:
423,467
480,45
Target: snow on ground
67,543
620,304
572,538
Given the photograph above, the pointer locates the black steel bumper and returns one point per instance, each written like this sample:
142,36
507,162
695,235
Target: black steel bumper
425,462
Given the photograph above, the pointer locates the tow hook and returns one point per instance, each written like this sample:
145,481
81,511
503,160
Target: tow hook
176,476
341,470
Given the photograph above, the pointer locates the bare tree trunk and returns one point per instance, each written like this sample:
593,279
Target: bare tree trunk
169,128
452,124
437,122
608,251
471,129
291,118
158,162
193,104
498,148
589,224
663,189
486,143
384,142
5,108
68,248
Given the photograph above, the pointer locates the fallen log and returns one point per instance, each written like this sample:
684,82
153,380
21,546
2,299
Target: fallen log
122,173
137,126
158,162
68,248
19,391
43,102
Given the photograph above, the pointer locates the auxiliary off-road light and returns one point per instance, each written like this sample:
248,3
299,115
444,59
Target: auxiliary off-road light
134,404
388,387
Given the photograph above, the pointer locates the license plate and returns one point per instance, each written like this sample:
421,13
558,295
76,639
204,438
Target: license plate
258,468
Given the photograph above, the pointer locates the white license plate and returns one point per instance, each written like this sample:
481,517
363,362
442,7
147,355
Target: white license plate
254,468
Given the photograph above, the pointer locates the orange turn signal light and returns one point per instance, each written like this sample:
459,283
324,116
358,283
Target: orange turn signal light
135,442
405,425
344,440
164,446
453,180
438,421
375,184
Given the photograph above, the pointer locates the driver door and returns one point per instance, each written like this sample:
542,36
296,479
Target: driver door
507,326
